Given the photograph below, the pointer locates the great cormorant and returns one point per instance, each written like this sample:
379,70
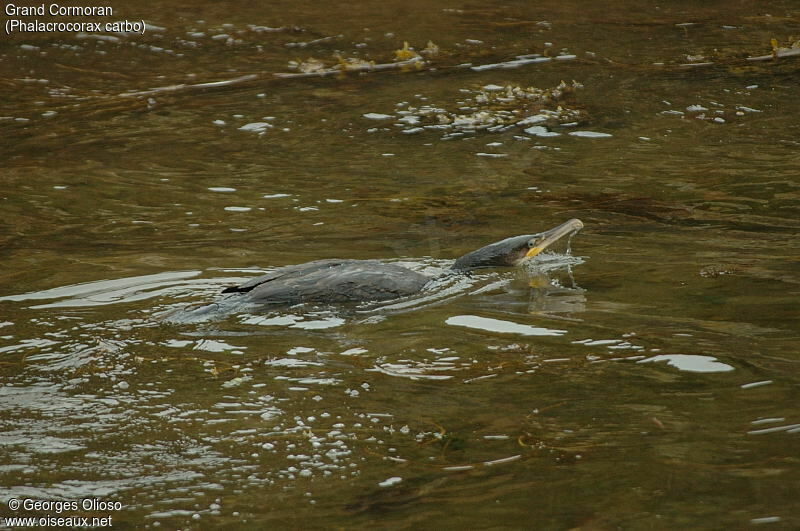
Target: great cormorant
333,280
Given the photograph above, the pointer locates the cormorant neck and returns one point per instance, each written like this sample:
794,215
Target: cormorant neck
505,253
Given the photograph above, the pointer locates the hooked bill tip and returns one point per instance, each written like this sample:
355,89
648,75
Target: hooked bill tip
576,223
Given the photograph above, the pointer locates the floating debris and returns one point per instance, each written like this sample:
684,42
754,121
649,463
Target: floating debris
316,68
492,108
310,65
430,49
404,58
792,49
522,60
405,53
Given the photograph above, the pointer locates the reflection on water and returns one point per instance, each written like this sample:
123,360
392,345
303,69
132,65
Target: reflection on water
503,327
110,291
693,363
648,380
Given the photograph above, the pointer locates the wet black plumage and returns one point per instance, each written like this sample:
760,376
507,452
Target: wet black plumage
335,280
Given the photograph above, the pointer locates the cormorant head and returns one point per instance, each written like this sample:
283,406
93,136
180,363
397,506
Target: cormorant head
516,250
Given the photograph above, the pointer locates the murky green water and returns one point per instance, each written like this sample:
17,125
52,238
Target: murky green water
647,379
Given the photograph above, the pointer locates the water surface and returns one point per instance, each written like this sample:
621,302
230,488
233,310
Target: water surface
643,378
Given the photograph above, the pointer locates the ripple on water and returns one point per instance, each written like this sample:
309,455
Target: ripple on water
270,416
107,291
213,345
310,321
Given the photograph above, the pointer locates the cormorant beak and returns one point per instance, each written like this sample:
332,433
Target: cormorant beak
542,241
